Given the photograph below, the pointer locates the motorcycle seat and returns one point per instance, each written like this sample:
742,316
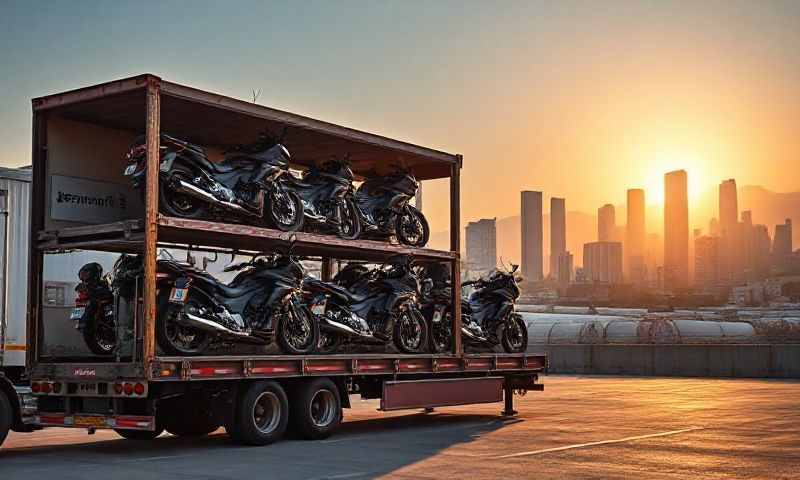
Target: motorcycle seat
336,290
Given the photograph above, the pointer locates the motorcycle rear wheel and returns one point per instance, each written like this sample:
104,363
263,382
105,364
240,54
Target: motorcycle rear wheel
100,334
176,339
179,204
285,211
411,228
514,335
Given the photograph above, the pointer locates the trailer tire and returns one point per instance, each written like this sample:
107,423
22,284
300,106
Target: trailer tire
317,409
5,416
262,414
139,434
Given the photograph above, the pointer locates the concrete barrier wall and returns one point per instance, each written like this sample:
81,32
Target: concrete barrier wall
721,360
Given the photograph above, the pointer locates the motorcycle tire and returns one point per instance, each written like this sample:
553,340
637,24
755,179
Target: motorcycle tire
294,221
402,236
178,204
93,333
166,333
354,217
310,329
441,334
410,322
516,326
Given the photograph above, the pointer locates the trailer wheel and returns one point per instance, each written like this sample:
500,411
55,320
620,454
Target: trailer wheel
262,414
139,434
5,416
317,409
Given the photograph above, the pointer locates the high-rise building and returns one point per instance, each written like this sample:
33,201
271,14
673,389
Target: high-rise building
730,256
706,261
531,222
782,242
606,223
564,267
744,246
558,233
713,227
635,237
676,230
761,249
481,246
602,262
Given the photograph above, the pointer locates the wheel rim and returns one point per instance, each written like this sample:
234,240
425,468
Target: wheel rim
411,228
182,338
266,412
105,335
348,220
283,209
297,330
410,331
322,410
181,203
514,335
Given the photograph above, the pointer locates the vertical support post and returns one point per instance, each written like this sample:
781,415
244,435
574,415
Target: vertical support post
455,246
36,258
327,269
508,398
152,139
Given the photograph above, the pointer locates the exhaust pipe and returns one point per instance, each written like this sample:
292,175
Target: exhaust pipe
182,186
211,326
331,325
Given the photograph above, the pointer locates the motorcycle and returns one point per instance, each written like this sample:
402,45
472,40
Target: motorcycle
248,185
94,314
261,305
378,308
435,300
383,204
327,196
488,316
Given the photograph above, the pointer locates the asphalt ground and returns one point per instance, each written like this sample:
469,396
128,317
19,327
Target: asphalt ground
579,427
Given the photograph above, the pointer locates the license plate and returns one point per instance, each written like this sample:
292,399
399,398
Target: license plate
89,421
77,313
178,295
130,169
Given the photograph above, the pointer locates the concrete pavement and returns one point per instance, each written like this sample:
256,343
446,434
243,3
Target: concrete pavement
580,427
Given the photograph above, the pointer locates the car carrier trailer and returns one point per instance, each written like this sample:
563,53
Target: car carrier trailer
80,201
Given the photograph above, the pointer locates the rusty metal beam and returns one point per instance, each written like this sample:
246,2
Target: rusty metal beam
455,246
92,93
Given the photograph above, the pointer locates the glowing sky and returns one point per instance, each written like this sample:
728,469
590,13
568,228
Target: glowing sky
579,99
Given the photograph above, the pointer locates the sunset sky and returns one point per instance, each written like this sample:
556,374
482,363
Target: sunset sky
578,99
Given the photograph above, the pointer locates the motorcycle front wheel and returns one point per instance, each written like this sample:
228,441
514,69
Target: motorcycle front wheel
514,335
410,331
412,228
349,221
177,339
179,204
100,333
441,334
298,332
285,210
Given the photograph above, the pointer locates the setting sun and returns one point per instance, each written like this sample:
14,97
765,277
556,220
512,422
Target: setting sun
668,161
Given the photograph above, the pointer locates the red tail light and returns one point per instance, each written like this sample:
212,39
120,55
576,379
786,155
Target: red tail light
82,299
45,387
36,387
138,389
128,389
118,388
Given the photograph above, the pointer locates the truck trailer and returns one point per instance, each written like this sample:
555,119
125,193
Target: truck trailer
80,201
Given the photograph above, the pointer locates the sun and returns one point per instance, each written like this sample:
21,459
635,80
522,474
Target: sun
667,161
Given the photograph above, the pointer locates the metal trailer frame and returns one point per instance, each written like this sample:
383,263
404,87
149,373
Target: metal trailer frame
146,102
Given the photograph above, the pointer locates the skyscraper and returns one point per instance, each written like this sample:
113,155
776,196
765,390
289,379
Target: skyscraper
635,236
558,233
782,242
706,261
602,262
531,222
676,230
606,223
481,246
564,268
730,262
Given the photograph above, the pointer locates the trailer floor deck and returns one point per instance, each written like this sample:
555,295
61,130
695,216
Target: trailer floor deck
600,427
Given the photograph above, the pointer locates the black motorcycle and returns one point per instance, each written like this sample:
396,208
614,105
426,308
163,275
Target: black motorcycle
95,313
435,301
488,318
249,185
260,305
383,202
378,308
327,195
